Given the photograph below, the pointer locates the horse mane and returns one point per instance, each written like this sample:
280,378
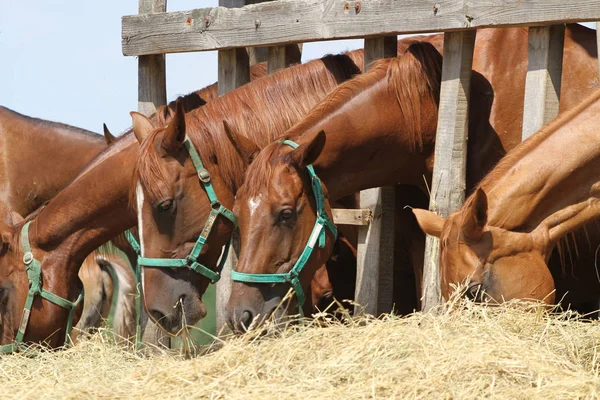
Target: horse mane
412,76
52,125
525,147
261,110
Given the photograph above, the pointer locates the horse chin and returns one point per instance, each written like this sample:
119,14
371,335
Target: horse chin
187,311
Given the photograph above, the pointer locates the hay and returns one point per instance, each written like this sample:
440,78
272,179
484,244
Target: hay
466,351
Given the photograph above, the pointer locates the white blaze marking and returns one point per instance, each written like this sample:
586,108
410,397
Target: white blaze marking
139,197
253,203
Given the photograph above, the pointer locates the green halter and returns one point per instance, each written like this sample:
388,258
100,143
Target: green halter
318,233
34,274
191,261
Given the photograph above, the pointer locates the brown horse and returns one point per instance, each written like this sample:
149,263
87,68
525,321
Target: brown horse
498,243
94,208
13,286
356,142
39,158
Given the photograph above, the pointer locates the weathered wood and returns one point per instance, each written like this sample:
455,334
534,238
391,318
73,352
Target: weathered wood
152,84
598,42
234,69
152,93
294,21
542,84
276,60
344,216
449,171
375,251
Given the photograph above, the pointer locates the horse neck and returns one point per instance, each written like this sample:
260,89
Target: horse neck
90,211
265,109
551,170
368,143
51,152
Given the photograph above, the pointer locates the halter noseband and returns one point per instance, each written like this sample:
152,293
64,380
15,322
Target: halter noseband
34,274
318,233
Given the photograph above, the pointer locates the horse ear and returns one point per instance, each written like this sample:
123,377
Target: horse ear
475,216
430,222
107,135
308,152
14,218
175,130
246,148
142,126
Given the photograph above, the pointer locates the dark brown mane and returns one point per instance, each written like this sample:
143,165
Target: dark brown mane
411,77
261,110
530,144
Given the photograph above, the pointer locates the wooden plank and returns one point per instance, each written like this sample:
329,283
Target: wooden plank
152,84
345,216
375,251
449,171
294,21
234,71
152,93
283,56
542,84
598,42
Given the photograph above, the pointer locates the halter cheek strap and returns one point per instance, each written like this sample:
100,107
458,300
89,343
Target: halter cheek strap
34,274
317,236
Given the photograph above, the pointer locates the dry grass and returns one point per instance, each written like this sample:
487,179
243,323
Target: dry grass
466,351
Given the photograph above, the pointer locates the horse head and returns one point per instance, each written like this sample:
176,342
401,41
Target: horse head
278,212
493,263
178,220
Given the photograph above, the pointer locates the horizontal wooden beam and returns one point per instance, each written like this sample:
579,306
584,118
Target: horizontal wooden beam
292,21
343,216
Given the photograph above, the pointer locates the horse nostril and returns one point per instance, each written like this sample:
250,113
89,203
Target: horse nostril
474,292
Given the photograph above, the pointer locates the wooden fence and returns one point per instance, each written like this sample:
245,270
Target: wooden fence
154,32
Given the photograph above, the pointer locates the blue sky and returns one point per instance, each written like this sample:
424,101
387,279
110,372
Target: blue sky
61,60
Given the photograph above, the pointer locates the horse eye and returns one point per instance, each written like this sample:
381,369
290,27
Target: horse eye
286,215
165,205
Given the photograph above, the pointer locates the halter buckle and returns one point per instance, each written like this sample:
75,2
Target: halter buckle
204,175
27,258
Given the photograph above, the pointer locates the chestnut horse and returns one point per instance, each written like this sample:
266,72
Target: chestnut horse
51,173
498,243
94,208
371,131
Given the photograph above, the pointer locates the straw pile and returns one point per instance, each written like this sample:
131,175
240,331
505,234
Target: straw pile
465,351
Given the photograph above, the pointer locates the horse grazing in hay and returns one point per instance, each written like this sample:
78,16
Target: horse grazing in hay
499,241
85,214
53,153
364,134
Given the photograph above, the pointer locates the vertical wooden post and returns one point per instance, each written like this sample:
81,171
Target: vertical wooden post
283,56
152,93
152,87
449,171
542,85
375,252
234,71
598,44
